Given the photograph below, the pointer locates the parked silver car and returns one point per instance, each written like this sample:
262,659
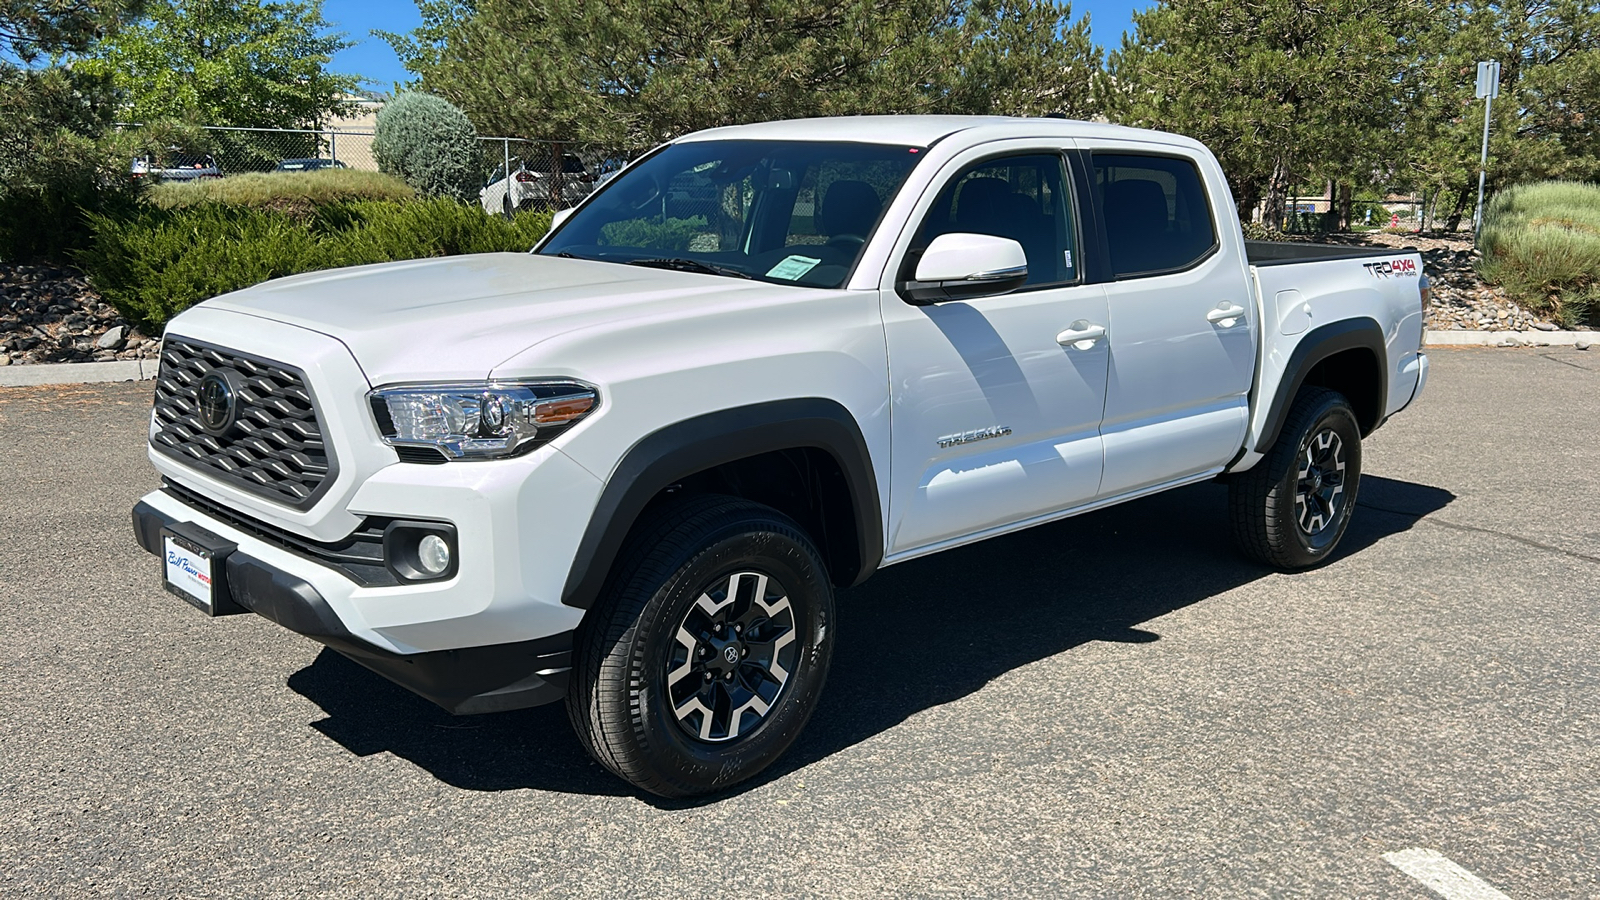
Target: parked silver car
534,184
310,164
175,165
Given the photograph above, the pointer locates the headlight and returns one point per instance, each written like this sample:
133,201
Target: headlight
485,420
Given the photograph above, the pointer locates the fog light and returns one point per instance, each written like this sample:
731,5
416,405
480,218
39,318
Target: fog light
433,554
420,551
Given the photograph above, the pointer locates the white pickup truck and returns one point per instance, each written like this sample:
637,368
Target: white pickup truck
630,468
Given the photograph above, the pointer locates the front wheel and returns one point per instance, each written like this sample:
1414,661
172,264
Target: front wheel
707,657
1291,509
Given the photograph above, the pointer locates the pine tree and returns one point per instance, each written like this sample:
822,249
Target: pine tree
637,72
1283,91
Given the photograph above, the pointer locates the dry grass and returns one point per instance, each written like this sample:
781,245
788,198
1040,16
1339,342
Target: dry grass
296,193
1541,242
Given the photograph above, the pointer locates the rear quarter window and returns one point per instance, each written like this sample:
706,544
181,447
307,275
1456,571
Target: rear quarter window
1156,214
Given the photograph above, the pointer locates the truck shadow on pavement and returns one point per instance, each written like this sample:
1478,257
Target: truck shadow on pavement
916,636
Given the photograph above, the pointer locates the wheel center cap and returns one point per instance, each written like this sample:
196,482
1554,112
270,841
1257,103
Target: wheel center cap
1316,480
724,656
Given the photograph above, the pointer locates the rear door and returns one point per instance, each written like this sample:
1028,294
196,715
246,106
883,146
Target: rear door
1182,348
994,421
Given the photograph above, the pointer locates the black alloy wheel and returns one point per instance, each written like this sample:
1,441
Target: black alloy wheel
1319,488
735,651
1290,509
708,650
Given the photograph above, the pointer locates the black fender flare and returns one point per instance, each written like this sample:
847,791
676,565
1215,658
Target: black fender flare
703,442
1319,344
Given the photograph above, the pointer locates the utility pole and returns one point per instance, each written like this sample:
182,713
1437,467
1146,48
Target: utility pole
1488,89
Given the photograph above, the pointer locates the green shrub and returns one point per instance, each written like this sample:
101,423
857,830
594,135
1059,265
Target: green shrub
430,144
356,234
48,223
1541,242
56,160
1368,212
297,193
157,262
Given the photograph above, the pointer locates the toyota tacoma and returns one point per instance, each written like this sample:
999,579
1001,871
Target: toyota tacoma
629,469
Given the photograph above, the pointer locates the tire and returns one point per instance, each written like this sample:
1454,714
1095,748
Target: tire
1291,509
666,701
507,209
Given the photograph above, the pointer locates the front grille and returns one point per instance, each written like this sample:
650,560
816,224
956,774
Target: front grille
274,447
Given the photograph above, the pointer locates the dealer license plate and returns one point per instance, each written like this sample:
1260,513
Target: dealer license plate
188,572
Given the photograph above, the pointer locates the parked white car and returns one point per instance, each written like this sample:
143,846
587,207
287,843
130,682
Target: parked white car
534,184
631,468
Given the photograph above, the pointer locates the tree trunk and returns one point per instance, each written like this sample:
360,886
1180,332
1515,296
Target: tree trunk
1461,204
1346,200
1247,197
1277,194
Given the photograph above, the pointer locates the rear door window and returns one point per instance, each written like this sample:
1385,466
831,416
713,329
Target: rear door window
1157,218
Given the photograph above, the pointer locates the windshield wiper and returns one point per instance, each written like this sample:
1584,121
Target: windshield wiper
680,264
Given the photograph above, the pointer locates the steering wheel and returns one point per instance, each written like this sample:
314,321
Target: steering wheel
852,239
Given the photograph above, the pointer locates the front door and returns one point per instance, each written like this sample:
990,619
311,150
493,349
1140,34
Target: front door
994,420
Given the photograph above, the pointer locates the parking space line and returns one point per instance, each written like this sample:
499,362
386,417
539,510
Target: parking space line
1442,876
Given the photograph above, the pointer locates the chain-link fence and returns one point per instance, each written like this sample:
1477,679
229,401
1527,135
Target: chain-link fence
544,174
214,152
516,174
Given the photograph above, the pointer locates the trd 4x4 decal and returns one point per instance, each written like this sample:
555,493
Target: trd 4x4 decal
1400,267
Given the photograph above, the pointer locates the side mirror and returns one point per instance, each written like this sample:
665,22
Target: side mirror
560,216
964,266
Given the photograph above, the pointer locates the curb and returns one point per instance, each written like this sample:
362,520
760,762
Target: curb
78,373
1517,338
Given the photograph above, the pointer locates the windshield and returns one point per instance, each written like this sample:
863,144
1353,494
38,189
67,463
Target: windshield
787,212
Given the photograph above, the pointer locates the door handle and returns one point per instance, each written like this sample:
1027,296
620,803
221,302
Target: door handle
1081,334
1226,314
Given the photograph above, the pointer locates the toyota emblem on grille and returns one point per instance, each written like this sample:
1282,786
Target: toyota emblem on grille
218,402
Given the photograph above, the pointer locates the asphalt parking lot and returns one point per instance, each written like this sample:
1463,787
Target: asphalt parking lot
1112,706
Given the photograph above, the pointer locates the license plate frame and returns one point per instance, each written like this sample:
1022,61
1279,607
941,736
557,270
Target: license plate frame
194,568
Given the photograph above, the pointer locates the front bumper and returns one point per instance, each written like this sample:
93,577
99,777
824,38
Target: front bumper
483,679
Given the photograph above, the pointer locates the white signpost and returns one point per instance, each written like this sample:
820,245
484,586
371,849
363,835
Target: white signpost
1488,89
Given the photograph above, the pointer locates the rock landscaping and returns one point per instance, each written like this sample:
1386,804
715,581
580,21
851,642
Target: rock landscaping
51,315
1461,300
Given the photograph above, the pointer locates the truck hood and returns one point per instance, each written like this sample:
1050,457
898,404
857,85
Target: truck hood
458,317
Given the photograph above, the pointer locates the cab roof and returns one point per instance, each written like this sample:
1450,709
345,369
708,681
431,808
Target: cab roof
924,131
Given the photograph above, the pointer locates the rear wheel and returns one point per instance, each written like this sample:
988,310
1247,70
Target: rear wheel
1291,509
708,655
507,208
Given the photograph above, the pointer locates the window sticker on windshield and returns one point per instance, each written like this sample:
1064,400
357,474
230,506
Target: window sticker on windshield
793,267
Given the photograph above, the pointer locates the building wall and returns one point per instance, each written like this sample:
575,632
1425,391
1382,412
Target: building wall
350,138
